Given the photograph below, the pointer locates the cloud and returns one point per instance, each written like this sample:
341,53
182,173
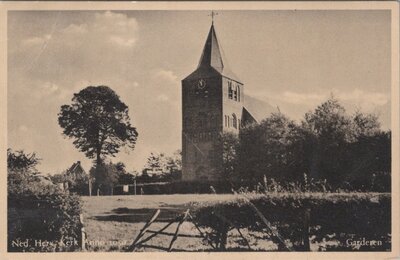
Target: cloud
34,41
364,98
301,98
117,28
124,42
76,29
356,96
50,87
166,75
165,86
100,38
94,50
122,29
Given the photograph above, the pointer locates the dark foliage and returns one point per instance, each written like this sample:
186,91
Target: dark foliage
98,121
21,161
38,210
78,185
180,187
272,148
105,176
37,219
349,152
332,217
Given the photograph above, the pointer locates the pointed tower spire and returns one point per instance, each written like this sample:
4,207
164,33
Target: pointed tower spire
211,56
213,59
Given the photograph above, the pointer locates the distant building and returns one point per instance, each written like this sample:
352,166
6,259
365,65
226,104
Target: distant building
76,172
213,102
75,179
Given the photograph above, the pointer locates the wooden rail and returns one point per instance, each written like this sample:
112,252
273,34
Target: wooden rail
140,241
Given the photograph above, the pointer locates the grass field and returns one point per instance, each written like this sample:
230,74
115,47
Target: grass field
112,222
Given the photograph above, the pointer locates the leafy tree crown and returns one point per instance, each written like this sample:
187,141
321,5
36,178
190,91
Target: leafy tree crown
98,121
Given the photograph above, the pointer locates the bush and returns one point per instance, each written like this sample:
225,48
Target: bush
52,218
40,216
332,217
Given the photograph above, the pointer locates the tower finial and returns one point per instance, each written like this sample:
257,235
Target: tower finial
213,14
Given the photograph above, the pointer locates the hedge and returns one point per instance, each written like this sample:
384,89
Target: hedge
182,187
43,223
321,216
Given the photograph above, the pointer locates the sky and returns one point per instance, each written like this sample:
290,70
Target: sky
293,60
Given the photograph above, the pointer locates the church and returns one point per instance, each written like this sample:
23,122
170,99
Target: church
213,103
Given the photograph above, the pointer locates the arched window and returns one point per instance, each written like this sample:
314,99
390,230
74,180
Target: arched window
234,121
230,90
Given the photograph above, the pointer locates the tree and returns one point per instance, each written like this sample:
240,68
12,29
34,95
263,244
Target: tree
22,176
328,122
161,167
348,151
327,132
329,146
174,162
99,122
22,162
155,161
370,151
365,125
228,142
105,176
271,148
174,166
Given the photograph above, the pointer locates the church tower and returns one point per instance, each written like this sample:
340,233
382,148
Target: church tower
212,103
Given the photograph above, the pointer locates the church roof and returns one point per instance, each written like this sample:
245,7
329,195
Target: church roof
247,117
213,59
257,108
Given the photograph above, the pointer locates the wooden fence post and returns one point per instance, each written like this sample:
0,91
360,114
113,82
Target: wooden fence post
83,233
184,217
306,230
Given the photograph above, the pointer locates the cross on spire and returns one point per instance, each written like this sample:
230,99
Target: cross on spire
212,14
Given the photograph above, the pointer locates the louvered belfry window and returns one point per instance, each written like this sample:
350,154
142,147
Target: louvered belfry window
230,90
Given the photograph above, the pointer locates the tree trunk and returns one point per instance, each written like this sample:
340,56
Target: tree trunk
90,187
98,158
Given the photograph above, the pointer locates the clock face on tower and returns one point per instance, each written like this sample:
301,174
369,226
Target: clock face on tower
201,84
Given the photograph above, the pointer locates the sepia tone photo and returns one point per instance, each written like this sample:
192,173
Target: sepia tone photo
200,130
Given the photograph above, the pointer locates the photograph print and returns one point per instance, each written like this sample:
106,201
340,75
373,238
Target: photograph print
214,130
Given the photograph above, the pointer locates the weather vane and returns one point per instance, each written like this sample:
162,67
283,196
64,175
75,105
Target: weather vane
213,14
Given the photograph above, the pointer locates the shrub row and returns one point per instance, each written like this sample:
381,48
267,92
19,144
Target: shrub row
338,217
183,187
